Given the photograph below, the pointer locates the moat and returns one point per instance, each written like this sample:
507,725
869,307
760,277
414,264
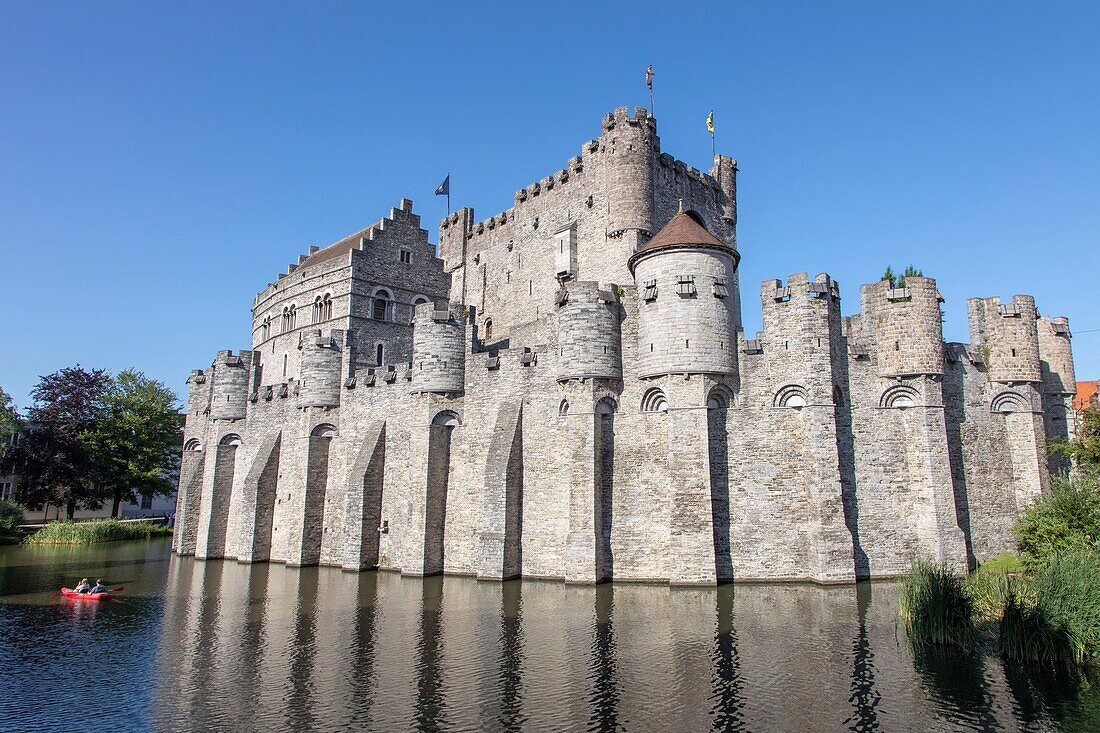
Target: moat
228,646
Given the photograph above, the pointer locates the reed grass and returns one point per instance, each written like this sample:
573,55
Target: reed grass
87,533
935,606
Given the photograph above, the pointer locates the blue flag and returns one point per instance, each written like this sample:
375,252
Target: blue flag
444,188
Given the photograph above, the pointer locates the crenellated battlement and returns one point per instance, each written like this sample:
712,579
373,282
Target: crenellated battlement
906,326
229,384
799,287
1007,335
634,208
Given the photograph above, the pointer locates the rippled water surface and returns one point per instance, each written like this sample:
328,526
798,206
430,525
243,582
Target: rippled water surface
225,646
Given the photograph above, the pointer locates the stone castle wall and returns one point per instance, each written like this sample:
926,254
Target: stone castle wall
541,415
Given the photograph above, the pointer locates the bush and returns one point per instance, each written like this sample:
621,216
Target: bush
1056,618
935,606
85,533
11,516
1065,519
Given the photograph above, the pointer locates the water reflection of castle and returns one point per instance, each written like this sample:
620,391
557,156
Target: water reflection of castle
263,647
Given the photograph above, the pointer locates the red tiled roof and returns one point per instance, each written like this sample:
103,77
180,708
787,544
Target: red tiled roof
684,230
1086,396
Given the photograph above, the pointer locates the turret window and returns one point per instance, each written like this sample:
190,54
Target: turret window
720,289
379,355
265,329
685,286
650,292
322,308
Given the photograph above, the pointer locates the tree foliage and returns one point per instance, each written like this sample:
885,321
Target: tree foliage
10,424
1067,518
898,281
91,438
137,441
1085,449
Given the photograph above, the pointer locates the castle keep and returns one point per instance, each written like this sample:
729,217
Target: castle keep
564,390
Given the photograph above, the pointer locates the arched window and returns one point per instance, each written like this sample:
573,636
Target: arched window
265,329
293,316
231,440
900,397
316,315
379,354
381,308
324,430
284,324
720,398
792,395
416,301
192,445
654,401
488,329
563,408
326,307
1007,402
446,419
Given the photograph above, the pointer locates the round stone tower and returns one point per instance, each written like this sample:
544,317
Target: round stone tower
1056,355
687,292
1008,337
630,145
320,369
907,326
439,350
589,338
229,385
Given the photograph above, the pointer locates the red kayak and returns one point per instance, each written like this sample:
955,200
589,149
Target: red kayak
70,593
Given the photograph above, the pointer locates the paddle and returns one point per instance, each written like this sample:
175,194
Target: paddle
119,589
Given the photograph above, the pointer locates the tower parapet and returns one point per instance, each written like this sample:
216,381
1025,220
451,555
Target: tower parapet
1056,355
319,384
1008,337
439,349
229,385
589,337
630,143
907,326
725,173
198,392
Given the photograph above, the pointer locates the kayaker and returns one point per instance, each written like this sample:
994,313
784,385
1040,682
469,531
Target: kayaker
99,587
82,587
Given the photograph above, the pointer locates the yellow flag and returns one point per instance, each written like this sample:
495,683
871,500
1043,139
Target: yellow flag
710,122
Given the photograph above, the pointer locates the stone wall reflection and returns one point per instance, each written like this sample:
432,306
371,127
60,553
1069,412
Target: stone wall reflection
266,647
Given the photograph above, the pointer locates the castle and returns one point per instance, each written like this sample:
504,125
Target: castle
565,391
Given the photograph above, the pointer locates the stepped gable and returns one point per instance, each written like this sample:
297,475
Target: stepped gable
683,230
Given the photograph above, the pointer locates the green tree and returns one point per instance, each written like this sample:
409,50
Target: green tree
910,271
55,457
10,424
137,440
1085,449
890,277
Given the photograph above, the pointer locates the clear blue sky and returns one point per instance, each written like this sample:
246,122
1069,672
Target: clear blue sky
160,163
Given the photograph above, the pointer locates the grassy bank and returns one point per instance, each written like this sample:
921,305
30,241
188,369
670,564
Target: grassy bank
86,533
1040,607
